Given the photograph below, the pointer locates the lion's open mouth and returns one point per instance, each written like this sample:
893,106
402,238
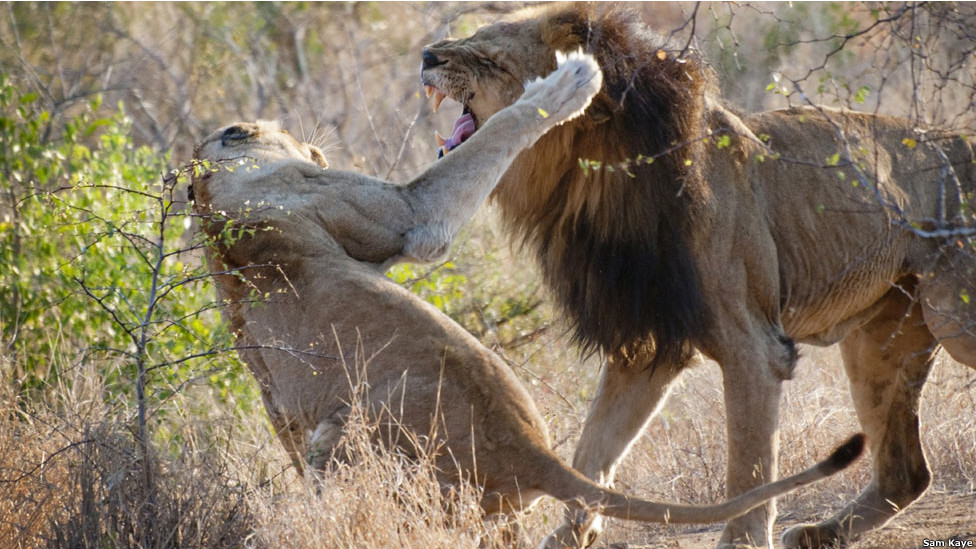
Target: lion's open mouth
464,126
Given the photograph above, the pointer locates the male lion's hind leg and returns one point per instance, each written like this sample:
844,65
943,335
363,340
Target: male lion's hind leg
948,297
628,397
887,361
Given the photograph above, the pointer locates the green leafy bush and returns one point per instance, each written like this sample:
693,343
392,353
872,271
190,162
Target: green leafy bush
96,257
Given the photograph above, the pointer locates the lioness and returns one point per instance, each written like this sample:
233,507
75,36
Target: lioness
298,256
656,242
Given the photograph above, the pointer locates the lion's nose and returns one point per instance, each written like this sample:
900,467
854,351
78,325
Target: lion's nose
430,60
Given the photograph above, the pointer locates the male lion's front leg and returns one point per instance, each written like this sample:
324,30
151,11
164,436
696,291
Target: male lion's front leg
627,399
752,407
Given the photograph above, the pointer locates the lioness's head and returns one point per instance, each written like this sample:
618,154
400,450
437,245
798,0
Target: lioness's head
237,176
258,142
262,141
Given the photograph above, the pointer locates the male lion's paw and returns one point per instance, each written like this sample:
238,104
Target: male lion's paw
566,92
811,536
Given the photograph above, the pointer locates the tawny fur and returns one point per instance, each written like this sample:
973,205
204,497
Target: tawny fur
298,249
739,249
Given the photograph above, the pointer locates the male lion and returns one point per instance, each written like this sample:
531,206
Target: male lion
298,254
657,241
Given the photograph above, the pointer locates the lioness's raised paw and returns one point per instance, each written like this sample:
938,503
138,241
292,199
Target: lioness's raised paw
565,94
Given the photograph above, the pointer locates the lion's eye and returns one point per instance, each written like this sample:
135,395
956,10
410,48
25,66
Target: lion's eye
497,66
233,133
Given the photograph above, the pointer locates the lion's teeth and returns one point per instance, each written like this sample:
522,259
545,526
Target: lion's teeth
438,98
440,138
428,90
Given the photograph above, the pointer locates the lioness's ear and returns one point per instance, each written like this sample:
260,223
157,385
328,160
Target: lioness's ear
318,156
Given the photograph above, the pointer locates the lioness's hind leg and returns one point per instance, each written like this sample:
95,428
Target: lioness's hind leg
948,297
322,443
887,361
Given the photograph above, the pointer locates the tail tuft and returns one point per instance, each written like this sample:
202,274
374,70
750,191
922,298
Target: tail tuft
844,455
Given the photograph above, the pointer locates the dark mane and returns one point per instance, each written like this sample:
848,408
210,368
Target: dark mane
613,237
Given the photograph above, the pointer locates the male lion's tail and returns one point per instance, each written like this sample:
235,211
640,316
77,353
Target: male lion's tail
613,504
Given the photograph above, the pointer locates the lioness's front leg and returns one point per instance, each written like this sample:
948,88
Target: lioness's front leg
448,194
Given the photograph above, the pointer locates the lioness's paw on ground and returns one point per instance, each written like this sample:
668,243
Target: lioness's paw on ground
580,529
566,92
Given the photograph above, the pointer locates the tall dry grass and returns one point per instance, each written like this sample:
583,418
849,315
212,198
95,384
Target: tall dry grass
373,497
71,475
70,478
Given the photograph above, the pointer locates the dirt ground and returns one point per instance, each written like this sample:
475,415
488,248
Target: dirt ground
936,518
817,407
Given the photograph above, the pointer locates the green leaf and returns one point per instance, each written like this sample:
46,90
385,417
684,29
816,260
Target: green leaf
93,127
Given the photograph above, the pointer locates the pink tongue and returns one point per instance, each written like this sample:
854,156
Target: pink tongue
463,128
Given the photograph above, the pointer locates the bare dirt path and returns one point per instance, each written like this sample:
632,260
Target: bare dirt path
937,520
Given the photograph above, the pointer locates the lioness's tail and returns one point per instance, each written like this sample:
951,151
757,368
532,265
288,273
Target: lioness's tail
617,505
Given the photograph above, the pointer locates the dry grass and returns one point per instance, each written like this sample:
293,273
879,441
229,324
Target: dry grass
69,476
374,497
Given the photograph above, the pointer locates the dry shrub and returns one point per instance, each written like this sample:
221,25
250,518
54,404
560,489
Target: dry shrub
70,477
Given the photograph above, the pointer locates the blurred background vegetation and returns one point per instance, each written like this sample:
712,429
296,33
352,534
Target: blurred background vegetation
118,389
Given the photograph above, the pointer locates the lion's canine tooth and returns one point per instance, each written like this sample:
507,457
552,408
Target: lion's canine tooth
428,90
440,138
438,98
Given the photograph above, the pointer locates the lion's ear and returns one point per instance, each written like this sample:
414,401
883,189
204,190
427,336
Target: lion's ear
318,156
561,37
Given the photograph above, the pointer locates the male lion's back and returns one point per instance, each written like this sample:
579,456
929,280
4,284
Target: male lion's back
849,156
839,190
